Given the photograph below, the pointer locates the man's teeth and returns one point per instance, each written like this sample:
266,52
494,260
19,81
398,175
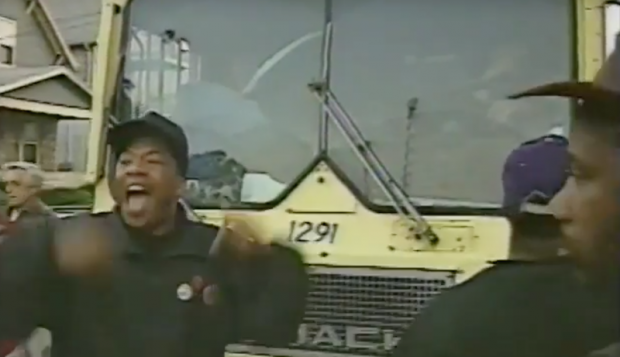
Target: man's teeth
136,189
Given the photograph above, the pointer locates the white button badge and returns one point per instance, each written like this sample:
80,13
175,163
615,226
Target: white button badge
185,292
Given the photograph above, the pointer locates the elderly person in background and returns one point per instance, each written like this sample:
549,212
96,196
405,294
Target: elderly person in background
23,182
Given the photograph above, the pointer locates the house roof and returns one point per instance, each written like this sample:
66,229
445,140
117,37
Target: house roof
18,77
77,21
13,75
60,180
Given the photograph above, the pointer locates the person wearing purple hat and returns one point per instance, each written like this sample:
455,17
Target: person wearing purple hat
533,174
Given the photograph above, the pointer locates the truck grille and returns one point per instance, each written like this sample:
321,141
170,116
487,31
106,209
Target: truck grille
356,311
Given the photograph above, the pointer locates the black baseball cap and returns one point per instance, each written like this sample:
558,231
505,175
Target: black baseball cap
603,92
156,126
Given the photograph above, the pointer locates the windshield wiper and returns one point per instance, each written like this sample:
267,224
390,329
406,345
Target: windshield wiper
376,168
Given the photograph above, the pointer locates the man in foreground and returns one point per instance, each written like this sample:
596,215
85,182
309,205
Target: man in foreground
588,206
144,280
549,309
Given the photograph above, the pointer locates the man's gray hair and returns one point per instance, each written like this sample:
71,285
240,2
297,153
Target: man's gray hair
33,170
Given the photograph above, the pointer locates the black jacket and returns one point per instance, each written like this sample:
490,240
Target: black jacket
515,309
142,309
37,211
34,211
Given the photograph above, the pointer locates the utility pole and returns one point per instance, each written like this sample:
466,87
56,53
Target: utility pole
367,178
412,107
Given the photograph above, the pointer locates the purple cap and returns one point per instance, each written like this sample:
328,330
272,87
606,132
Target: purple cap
534,173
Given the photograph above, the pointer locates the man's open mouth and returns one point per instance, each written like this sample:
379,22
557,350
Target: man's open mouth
137,198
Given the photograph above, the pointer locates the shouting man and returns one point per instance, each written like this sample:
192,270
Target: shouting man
144,280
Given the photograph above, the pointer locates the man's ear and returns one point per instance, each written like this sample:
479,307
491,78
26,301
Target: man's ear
181,186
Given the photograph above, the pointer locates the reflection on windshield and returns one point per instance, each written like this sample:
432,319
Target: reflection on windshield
234,75
242,97
458,59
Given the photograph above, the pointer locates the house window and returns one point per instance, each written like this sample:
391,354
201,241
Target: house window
29,152
6,54
15,153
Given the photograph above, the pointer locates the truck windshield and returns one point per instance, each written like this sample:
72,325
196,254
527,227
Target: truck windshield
424,80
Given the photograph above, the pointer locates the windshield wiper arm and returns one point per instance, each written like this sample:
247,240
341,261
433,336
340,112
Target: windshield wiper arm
376,168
